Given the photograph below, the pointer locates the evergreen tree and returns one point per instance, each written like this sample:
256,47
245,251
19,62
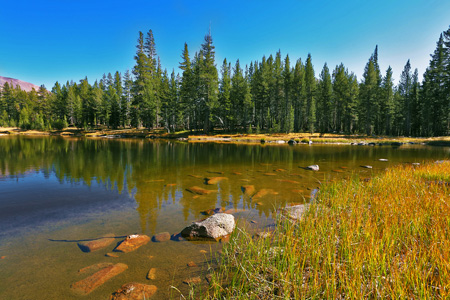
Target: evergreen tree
208,83
310,90
324,97
225,114
368,97
387,104
299,96
405,90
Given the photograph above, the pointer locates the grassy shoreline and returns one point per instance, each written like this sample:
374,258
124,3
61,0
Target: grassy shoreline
274,138
387,238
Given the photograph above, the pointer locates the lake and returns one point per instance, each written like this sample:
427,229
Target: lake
56,191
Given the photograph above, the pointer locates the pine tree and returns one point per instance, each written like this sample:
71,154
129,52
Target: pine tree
387,102
126,99
368,97
405,90
324,99
208,83
287,109
299,96
310,91
225,114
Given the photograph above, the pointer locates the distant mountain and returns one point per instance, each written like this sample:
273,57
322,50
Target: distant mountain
26,86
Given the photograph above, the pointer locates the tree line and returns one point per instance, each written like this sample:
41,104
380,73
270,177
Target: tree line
269,95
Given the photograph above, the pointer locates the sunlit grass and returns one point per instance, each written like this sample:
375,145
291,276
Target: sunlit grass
388,238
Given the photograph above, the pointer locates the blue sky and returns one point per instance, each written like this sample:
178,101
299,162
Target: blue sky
58,40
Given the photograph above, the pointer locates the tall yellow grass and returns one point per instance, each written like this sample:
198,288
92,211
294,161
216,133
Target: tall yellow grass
388,238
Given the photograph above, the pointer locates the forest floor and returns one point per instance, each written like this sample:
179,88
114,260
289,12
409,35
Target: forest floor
224,137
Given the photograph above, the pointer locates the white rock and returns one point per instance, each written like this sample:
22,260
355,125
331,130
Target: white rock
214,227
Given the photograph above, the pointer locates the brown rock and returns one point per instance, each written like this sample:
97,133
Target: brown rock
161,237
171,184
215,180
194,280
2,257
87,285
264,192
212,211
199,191
234,210
236,173
94,268
270,174
203,251
195,176
192,264
151,275
96,244
134,291
177,237
288,181
280,170
248,190
132,242
111,255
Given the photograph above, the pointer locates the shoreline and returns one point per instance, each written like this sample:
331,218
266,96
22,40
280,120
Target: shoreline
262,138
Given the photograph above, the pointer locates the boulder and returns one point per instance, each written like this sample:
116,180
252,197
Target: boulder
214,227
134,291
366,167
214,180
87,285
198,190
161,237
295,212
313,167
291,142
248,190
132,242
96,244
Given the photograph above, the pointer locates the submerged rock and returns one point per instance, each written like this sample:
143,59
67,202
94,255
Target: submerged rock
212,211
215,180
94,268
96,244
151,275
87,285
132,242
199,191
295,212
264,192
193,280
214,227
248,190
111,255
192,264
313,167
161,237
270,174
383,159
177,237
134,291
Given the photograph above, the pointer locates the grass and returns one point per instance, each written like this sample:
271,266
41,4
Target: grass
388,238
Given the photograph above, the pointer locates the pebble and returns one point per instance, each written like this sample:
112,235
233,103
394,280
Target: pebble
151,275
193,280
191,264
111,255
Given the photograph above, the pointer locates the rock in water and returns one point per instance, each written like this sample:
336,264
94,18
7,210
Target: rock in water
264,192
134,291
366,167
313,167
194,280
248,190
132,242
198,190
212,211
295,212
151,275
87,285
214,227
161,237
215,180
383,159
94,268
97,244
